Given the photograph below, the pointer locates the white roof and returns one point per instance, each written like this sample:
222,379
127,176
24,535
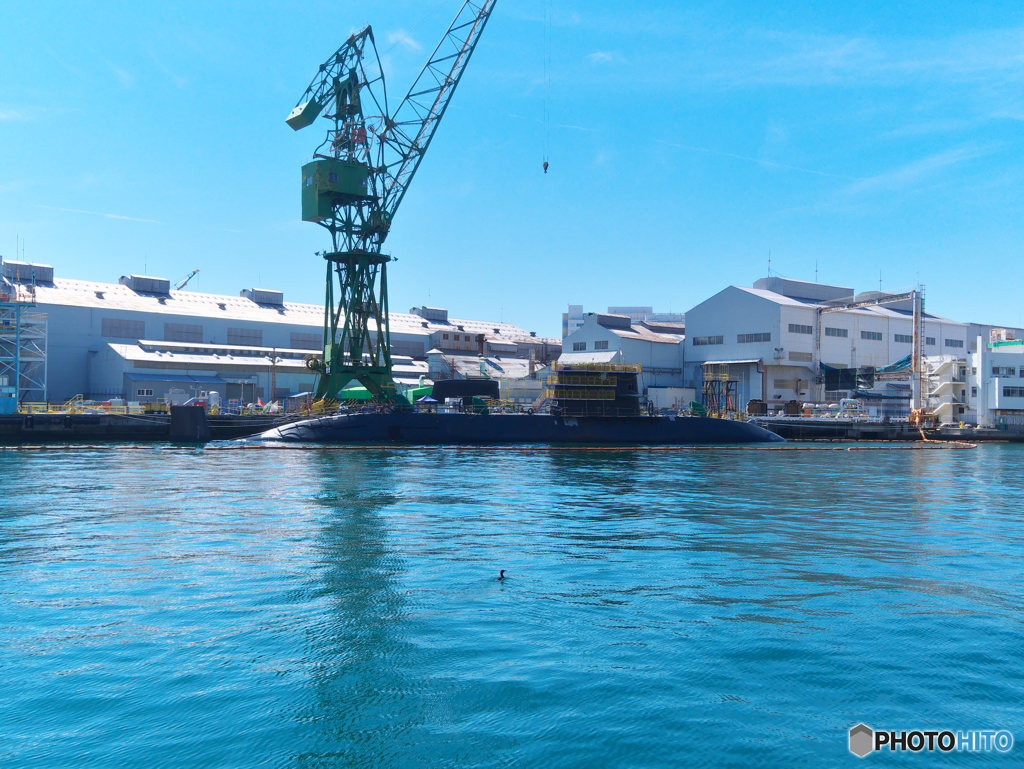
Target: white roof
777,298
114,296
603,356
648,335
876,311
495,366
140,356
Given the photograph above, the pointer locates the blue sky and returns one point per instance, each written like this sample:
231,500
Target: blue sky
686,141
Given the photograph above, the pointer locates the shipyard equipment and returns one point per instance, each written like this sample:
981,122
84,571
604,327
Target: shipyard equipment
916,297
23,338
356,179
184,281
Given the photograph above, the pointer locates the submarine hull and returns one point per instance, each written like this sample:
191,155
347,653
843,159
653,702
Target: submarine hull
428,428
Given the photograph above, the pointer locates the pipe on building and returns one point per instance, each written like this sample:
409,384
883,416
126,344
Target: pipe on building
764,380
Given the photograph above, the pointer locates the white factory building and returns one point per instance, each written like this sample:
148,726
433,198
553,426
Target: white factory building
138,338
776,338
657,346
985,387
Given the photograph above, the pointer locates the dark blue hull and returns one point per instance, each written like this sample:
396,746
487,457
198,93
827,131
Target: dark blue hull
424,428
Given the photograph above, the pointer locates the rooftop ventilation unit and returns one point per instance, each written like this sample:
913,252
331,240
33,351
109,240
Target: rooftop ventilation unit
263,296
613,321
431,313
26,271
145,284
802,289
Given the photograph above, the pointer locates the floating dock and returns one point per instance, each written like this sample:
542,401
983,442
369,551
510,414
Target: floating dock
51,427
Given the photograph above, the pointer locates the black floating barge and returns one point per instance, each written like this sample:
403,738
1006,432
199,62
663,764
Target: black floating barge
56,427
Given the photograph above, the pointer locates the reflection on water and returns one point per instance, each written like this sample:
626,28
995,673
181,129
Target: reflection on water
190,608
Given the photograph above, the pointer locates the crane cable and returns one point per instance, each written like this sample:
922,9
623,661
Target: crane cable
547,80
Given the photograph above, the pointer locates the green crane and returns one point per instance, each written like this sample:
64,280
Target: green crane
356,180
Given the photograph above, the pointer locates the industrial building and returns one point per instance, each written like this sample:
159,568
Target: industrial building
776,339
658,347
984,387
138,338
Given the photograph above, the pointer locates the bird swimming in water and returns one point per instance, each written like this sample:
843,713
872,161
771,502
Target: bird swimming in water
501,577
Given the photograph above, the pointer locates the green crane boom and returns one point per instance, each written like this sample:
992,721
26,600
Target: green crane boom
356,180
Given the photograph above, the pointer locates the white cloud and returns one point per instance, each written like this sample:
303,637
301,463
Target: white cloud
10,114
915,171
126,80
178,81
759,161
97,213
401,37
598,57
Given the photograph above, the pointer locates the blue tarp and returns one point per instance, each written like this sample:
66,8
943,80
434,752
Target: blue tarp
903,364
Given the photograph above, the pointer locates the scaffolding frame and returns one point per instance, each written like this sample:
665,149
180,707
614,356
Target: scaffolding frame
23,342
718,392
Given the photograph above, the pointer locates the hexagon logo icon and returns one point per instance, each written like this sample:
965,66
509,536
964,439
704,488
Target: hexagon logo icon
862,740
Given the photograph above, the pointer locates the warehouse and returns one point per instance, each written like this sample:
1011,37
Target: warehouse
775,339
106,340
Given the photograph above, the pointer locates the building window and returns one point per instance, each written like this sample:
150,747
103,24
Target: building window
796,328
142,393
444,336
245,337
874,336
954,343
1013,392
601,344
299,341
802,357
332,177
182,332
784,384
1004,371
309,181
115,328
700,341
930,341
903,338
844,333
749,338
974,392
579,346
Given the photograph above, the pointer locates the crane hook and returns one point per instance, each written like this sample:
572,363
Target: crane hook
545,166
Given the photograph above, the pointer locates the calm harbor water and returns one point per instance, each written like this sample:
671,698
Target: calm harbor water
184,608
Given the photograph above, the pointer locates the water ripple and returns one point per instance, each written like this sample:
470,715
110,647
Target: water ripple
307,609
